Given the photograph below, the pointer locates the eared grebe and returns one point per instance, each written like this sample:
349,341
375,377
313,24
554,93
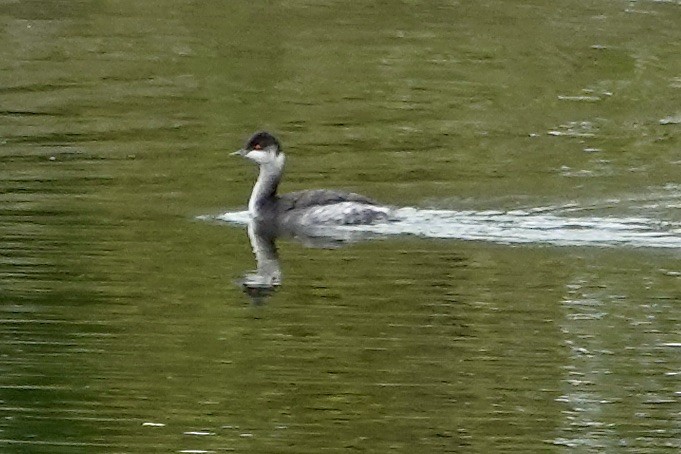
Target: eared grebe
302,208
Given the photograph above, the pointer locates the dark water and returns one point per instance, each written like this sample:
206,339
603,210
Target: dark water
124,327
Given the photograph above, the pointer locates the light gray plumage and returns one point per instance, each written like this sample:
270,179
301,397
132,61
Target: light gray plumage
301,208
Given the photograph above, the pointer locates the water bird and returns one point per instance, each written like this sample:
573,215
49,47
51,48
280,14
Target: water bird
317,207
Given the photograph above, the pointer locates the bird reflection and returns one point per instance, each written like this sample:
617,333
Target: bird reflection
267,277
263,282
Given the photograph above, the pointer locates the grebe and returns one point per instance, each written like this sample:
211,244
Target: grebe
302,208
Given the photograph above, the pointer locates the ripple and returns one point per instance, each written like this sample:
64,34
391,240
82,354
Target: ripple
508,227
523,226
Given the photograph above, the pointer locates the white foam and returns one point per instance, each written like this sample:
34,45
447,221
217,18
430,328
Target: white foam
538,225
233,217
527,226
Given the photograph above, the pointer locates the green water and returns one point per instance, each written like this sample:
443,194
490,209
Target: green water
123,328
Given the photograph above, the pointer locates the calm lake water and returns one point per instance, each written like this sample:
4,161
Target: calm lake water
529,302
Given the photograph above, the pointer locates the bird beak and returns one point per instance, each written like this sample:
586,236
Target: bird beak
241,152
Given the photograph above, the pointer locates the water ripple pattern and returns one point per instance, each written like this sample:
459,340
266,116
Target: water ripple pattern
539,226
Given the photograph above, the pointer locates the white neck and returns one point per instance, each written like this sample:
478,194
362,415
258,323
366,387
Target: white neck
265,188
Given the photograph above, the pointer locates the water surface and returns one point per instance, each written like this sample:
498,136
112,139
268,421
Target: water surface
125,326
